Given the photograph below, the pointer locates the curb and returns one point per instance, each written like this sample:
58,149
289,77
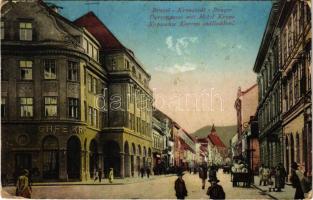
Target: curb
95,184
265,191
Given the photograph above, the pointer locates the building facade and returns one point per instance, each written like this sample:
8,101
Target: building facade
296,38
68,108
284,79
245,105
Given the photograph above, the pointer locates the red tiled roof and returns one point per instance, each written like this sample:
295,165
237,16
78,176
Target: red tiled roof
216,140
94,25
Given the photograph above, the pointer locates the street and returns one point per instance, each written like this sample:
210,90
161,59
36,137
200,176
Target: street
161,188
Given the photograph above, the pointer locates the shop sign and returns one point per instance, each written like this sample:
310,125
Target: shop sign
54,129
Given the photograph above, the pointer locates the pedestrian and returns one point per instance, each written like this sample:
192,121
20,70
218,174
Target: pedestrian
148,171
212,172
23,187
142,171
100,174
296,178
96,173
215,191
203,174
261,174
180,186
111,175
280,177
265,175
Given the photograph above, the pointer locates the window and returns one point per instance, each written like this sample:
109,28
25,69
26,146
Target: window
89,82
95,53
85,111
89,49
3,107
26,107
72,71
94,85
26,31
296,84
51,106
26,70
85,45
90,115
73,108
290,92
113,63
95,118
2,30
50,69
126,64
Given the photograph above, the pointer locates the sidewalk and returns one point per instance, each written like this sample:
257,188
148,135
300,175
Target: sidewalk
287,193
116,181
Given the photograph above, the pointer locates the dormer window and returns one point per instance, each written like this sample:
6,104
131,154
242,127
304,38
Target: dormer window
26,31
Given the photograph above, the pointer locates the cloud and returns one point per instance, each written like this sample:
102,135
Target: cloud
180,45
177,68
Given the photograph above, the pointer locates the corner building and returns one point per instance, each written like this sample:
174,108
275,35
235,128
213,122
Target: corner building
53,121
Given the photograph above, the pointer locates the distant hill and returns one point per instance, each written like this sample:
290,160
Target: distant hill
224,132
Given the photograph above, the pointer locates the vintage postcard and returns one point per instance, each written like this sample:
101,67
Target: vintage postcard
156,99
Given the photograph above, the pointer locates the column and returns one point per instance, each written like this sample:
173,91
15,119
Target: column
122,168
83,175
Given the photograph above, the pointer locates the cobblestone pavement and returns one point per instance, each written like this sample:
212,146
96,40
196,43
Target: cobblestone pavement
158,188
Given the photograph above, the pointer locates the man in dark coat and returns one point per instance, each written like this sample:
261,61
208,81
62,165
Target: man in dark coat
294,179
148,171
203,173
142,171
180,187
215,191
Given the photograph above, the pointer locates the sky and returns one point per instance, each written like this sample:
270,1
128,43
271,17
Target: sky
196,68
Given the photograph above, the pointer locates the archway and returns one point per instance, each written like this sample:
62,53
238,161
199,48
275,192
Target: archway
50,146
93,158
112,158
73,158
132,159
138,160
126,160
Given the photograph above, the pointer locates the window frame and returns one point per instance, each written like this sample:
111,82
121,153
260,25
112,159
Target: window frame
51,104
72,66
24,31
26,68
72,105
45,61
26,105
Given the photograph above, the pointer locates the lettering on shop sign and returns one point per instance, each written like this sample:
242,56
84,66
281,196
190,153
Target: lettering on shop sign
62,129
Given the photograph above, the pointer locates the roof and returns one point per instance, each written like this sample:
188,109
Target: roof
241,93
216,140
95,26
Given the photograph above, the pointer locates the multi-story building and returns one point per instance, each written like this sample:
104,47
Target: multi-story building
246,106
162,141
269,82
50,80
71,101
295,63
284,79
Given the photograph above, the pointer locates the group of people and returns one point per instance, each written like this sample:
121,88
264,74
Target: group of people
215,191
274,176
98,175
145,170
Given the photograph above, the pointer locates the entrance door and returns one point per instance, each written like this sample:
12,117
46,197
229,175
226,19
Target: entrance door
50,158
22,161
73,158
